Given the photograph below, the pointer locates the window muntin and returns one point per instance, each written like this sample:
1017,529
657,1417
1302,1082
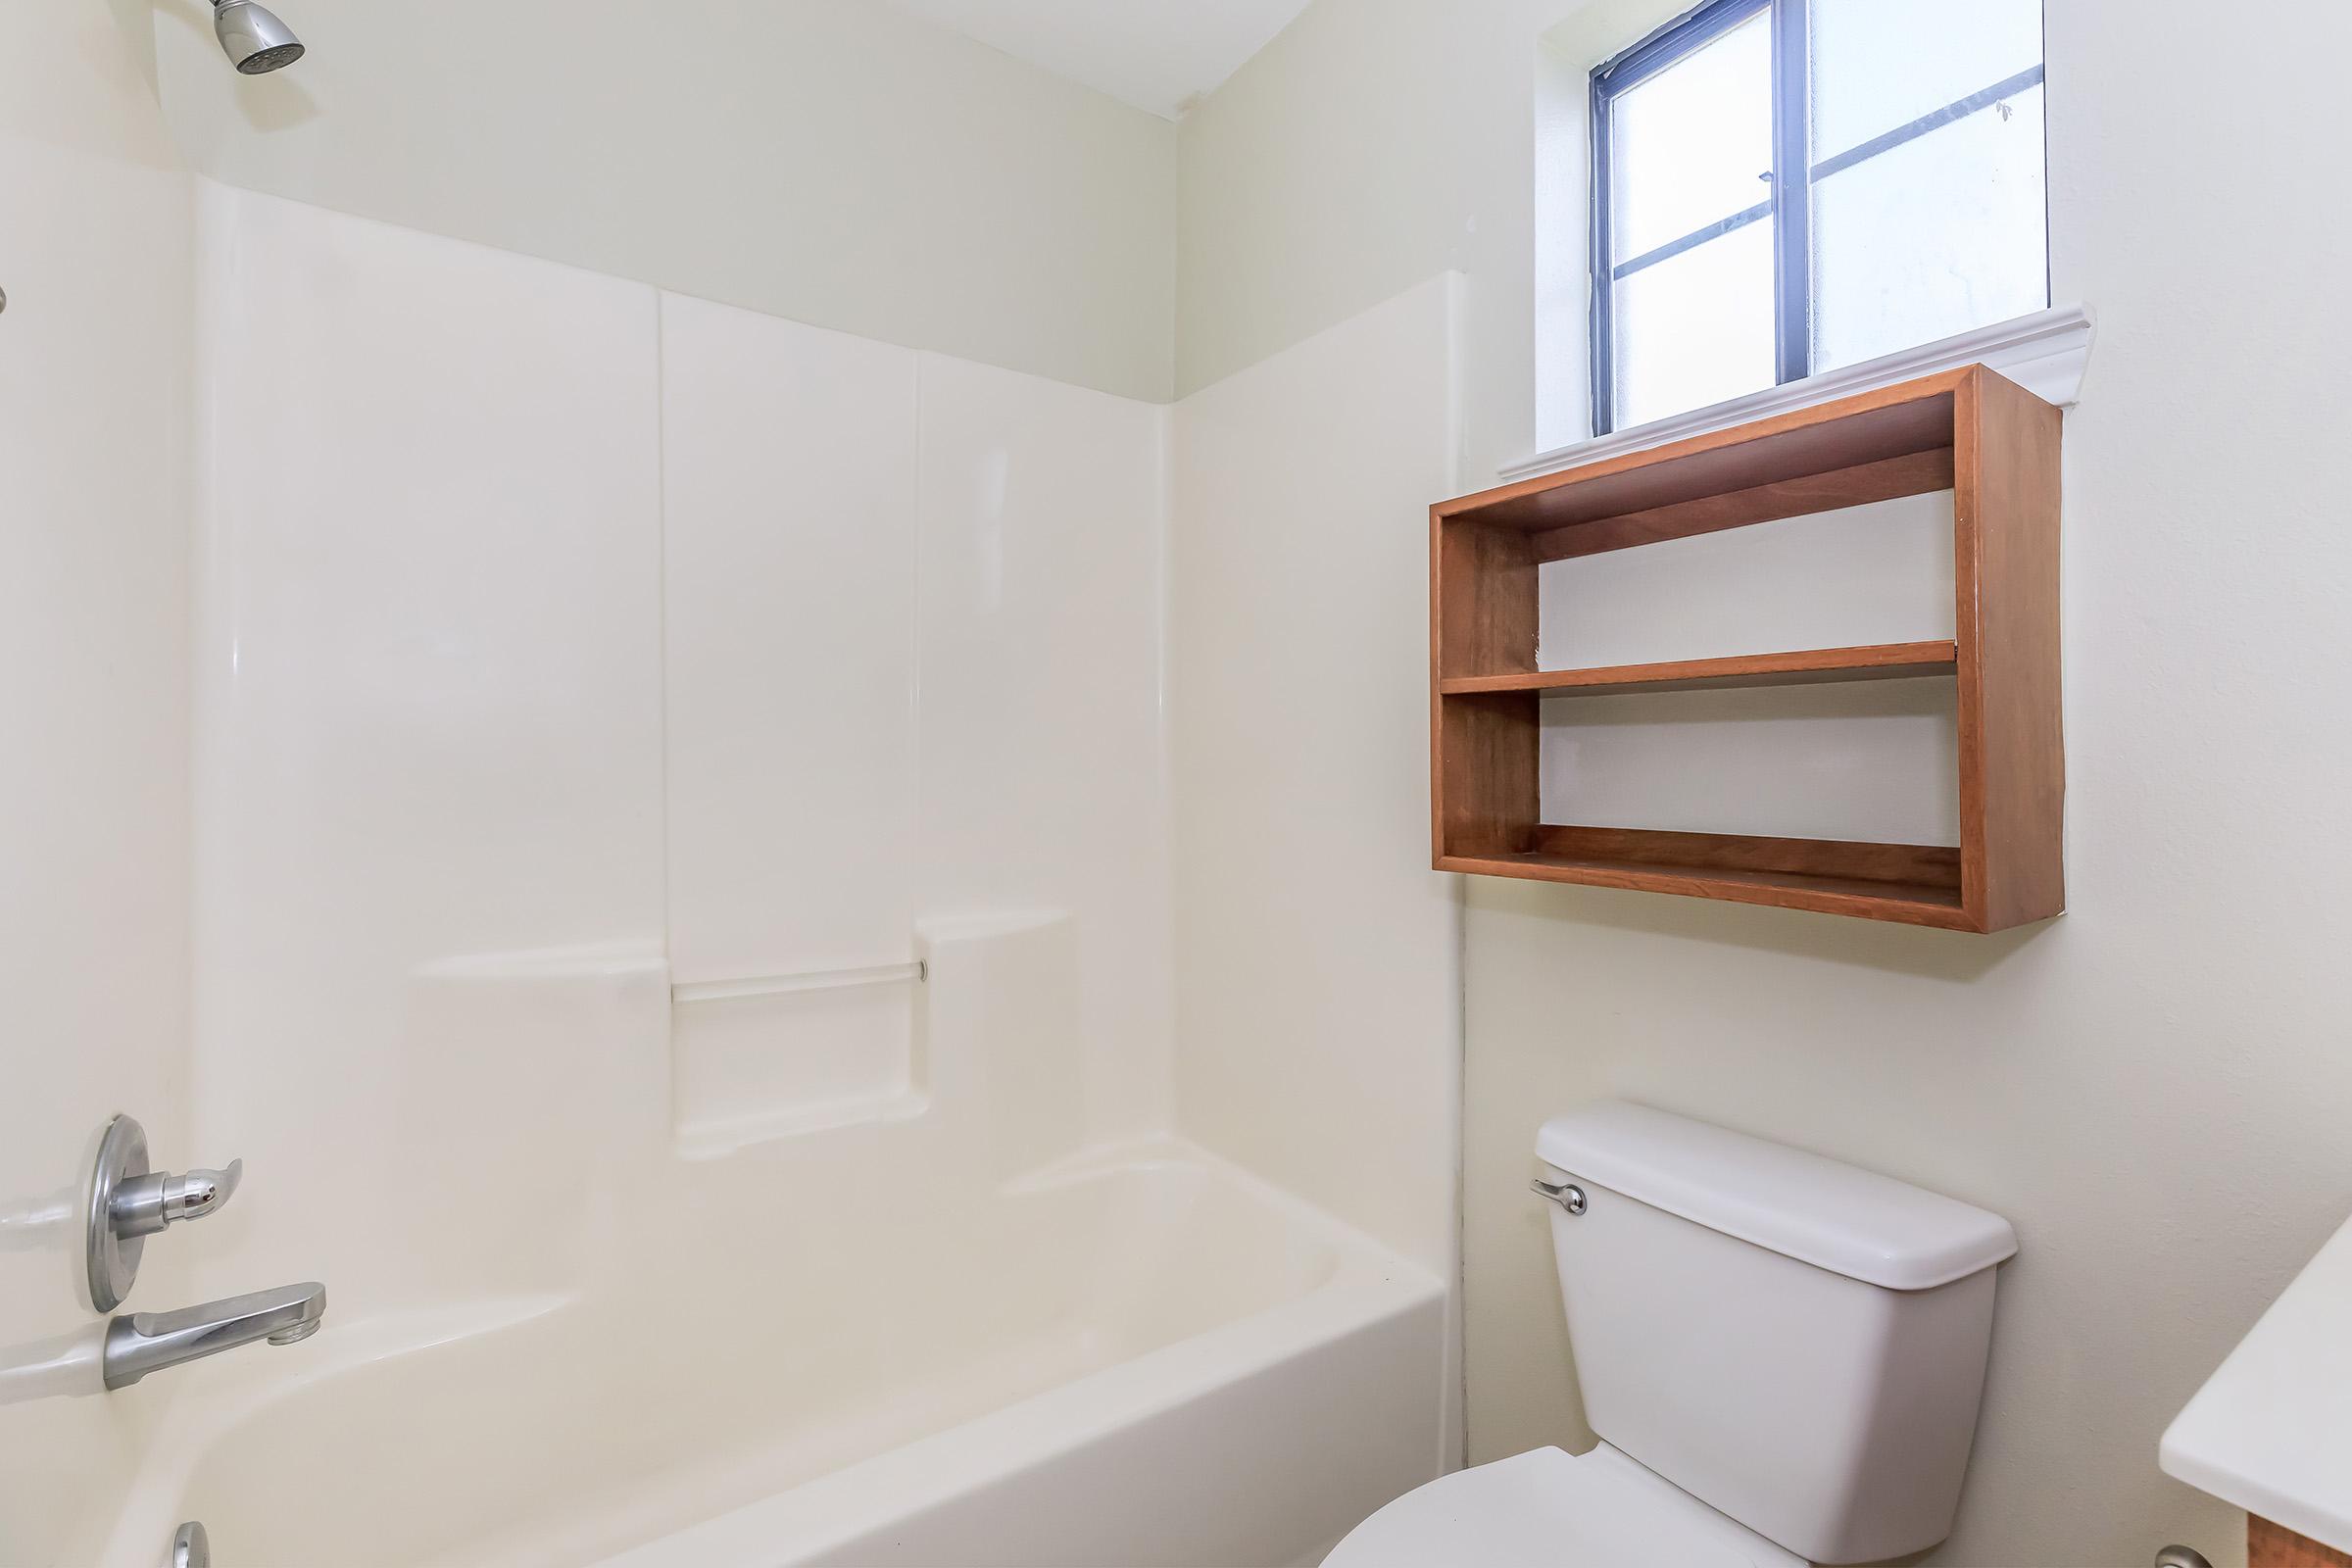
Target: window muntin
1887,154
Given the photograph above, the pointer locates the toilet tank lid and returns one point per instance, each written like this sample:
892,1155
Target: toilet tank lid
1821,1211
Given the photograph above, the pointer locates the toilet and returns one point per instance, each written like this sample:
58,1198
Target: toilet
1782,1355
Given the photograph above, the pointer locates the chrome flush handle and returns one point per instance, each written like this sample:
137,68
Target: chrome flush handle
1567,1195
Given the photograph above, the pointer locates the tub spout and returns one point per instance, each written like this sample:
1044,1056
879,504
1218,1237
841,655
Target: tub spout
140,1343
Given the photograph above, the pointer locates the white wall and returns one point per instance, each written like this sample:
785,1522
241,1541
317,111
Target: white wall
834,163
93,719
2153,1087
1372,145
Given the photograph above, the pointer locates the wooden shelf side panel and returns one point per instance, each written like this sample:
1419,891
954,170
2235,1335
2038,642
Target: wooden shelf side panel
1486,785
1483,751
2011,737
1482,599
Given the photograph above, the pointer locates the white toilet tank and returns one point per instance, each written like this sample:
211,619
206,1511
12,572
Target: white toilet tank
1798,1342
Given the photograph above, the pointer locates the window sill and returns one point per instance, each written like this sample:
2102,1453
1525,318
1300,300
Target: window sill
2044,352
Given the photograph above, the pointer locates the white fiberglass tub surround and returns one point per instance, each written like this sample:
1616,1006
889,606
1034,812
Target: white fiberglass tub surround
939,1330
942,1329
684,944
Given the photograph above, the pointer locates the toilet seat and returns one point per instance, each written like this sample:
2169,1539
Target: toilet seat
1544,1510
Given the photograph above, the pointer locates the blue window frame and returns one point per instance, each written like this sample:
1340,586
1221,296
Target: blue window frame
1799,169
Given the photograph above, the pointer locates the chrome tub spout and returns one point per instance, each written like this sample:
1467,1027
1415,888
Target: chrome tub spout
140,1343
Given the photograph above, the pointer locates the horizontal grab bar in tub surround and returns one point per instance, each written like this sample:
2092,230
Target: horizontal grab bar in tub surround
774,984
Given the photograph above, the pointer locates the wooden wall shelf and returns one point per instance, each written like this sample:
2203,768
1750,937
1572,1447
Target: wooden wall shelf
1995,445
1882,662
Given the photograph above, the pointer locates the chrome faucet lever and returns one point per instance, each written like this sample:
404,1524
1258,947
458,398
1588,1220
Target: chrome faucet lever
140,1343
128,1203
147,1204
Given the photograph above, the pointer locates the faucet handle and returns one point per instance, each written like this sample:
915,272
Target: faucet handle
200,1191
145,1205
128,1203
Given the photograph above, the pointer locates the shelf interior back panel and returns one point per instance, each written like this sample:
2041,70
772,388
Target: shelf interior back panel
1874,760
1856,577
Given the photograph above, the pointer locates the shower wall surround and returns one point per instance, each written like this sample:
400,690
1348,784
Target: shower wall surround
94,345
1298,568
428,768
913,643
1318,978
492,551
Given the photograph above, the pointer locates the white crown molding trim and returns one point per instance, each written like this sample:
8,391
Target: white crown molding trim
2045,353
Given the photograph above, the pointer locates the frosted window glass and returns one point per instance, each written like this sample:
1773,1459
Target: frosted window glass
1944,234
1696,328
1692,145
1881,63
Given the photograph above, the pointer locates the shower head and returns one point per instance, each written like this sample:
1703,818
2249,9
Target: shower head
254,38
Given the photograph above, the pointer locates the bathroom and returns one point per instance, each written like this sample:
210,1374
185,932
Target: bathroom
735,720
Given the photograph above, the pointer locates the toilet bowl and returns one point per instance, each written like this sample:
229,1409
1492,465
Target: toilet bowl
1546,1510
1783,1357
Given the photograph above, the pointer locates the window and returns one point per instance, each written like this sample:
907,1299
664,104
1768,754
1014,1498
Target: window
1785,186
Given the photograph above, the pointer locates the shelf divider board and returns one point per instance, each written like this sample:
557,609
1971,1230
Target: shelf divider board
1917,884
1900,902
1877,661
1994,444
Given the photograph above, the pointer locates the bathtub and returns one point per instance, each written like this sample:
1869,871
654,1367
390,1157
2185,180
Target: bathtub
1140,1358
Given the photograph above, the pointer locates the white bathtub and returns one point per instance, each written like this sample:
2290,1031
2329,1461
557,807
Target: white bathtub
1149,1358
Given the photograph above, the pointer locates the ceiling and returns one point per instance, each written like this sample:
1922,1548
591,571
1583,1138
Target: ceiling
1159,55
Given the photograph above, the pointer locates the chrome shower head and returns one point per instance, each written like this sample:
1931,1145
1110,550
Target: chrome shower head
254,38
